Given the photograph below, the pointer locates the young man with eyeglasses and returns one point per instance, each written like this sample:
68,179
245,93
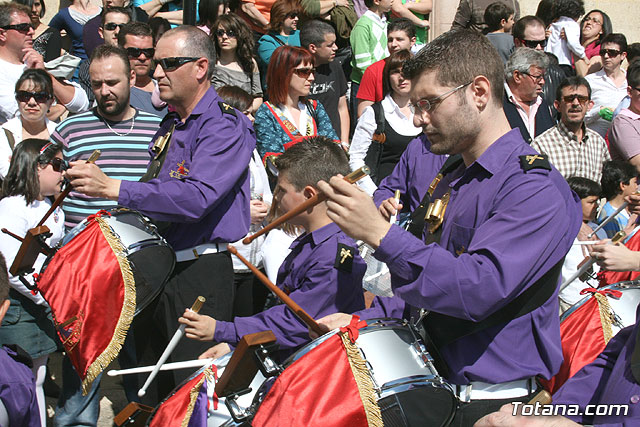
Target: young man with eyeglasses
137,39
17,54
624,136
570,146
510,219
609,85
523,105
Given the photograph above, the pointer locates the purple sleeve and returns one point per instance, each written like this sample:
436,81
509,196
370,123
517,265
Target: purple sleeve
383,307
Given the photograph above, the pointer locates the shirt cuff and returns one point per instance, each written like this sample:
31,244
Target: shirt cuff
225,332
392,245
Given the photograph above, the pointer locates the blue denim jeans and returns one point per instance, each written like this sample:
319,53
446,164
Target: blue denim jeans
73,408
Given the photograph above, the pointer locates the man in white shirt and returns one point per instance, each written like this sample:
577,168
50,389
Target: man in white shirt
17,54
609,85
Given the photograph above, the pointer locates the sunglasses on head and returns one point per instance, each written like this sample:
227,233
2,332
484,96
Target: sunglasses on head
582,99
134,52
111,26
21,28
230,33
611,52
58,164
304,73
25,96
534,43
169,64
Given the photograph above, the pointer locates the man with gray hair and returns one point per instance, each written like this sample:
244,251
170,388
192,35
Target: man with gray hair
524,107
198,182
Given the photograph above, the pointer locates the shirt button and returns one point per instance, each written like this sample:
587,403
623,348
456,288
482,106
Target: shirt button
635,398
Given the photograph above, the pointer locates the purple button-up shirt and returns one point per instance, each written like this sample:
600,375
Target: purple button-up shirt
312,280
203,187
18,390
504,228
608,381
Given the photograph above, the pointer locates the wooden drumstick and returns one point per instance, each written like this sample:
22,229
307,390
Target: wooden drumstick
544,398
293,306
197,305
354,176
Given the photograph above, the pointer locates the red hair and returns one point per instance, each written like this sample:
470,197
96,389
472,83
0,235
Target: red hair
280,70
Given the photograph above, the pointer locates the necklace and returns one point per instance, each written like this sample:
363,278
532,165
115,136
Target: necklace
133,122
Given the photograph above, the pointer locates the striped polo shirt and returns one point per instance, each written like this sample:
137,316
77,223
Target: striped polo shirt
125,153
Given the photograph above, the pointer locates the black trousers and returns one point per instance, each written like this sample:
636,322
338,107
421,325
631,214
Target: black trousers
251,295
468,413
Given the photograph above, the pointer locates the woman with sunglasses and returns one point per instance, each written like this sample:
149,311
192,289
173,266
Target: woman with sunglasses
46,40
235,65
288,117
594,27
34,176
34,93
384,129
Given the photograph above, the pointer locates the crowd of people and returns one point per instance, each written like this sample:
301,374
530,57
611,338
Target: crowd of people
524,130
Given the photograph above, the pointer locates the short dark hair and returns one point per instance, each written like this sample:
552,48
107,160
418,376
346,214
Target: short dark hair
607,27
4,279
616,38
105,51
208,11
313,32
572,82
40,79
457,57
237,97
404,25
633,52
156,23
22,177
392,63
495,13
545,11
633,74
115,9
614,173
9,8
573,9
29,4
522,24
584,187
140,29
313,159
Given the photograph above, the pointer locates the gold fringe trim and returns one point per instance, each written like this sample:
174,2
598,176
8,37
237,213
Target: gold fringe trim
128,308
361,374
606,316
193,395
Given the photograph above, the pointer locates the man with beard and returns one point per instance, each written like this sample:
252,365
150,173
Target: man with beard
114,127
488,270
571,147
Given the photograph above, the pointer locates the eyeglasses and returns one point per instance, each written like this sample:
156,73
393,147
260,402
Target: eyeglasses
536,79
229,33
111,26
134,52
534,43
58,164
590,19
23,28
25,96
611,52
424,105
582,99
170,64
304,73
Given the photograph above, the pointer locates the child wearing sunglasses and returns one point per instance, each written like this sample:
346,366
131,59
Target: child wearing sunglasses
35,175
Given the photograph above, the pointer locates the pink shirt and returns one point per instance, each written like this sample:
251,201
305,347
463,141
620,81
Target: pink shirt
624,135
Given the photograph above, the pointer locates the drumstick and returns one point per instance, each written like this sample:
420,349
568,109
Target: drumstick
544,398
166,367
610,217
197,305
293,306
94,156
590,261
393,218
354,176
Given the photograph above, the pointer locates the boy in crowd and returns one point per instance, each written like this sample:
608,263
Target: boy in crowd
323,273
619,180
499,19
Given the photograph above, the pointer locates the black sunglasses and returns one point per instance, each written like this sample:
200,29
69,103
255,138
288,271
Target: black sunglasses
291,15
21,28
25,96
111,26
134,52
582,99
230,33
611,52
534,43
170,64
58,164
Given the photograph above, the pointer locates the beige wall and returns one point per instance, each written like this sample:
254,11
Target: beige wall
623,13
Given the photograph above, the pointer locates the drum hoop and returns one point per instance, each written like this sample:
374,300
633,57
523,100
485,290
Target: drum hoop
402,384
627,284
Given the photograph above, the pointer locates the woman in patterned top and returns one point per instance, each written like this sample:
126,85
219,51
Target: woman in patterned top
46,40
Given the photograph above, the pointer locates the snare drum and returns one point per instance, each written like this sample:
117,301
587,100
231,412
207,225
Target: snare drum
410,391
151,257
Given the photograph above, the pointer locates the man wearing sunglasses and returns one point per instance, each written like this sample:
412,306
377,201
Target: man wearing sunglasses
609,85
571,147
17,54
201,187
510,219
137,39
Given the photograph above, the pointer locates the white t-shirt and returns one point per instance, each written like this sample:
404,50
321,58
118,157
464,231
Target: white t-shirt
15,127
8,78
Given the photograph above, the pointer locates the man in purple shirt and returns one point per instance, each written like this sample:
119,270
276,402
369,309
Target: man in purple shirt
510,220
202,188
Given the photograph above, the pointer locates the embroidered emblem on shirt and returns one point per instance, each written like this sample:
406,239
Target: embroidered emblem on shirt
228,109
180,173
534,161
344,258
461,250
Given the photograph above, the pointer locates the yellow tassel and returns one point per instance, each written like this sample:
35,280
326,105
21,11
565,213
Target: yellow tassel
193,395
606,316
128,308
363,379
